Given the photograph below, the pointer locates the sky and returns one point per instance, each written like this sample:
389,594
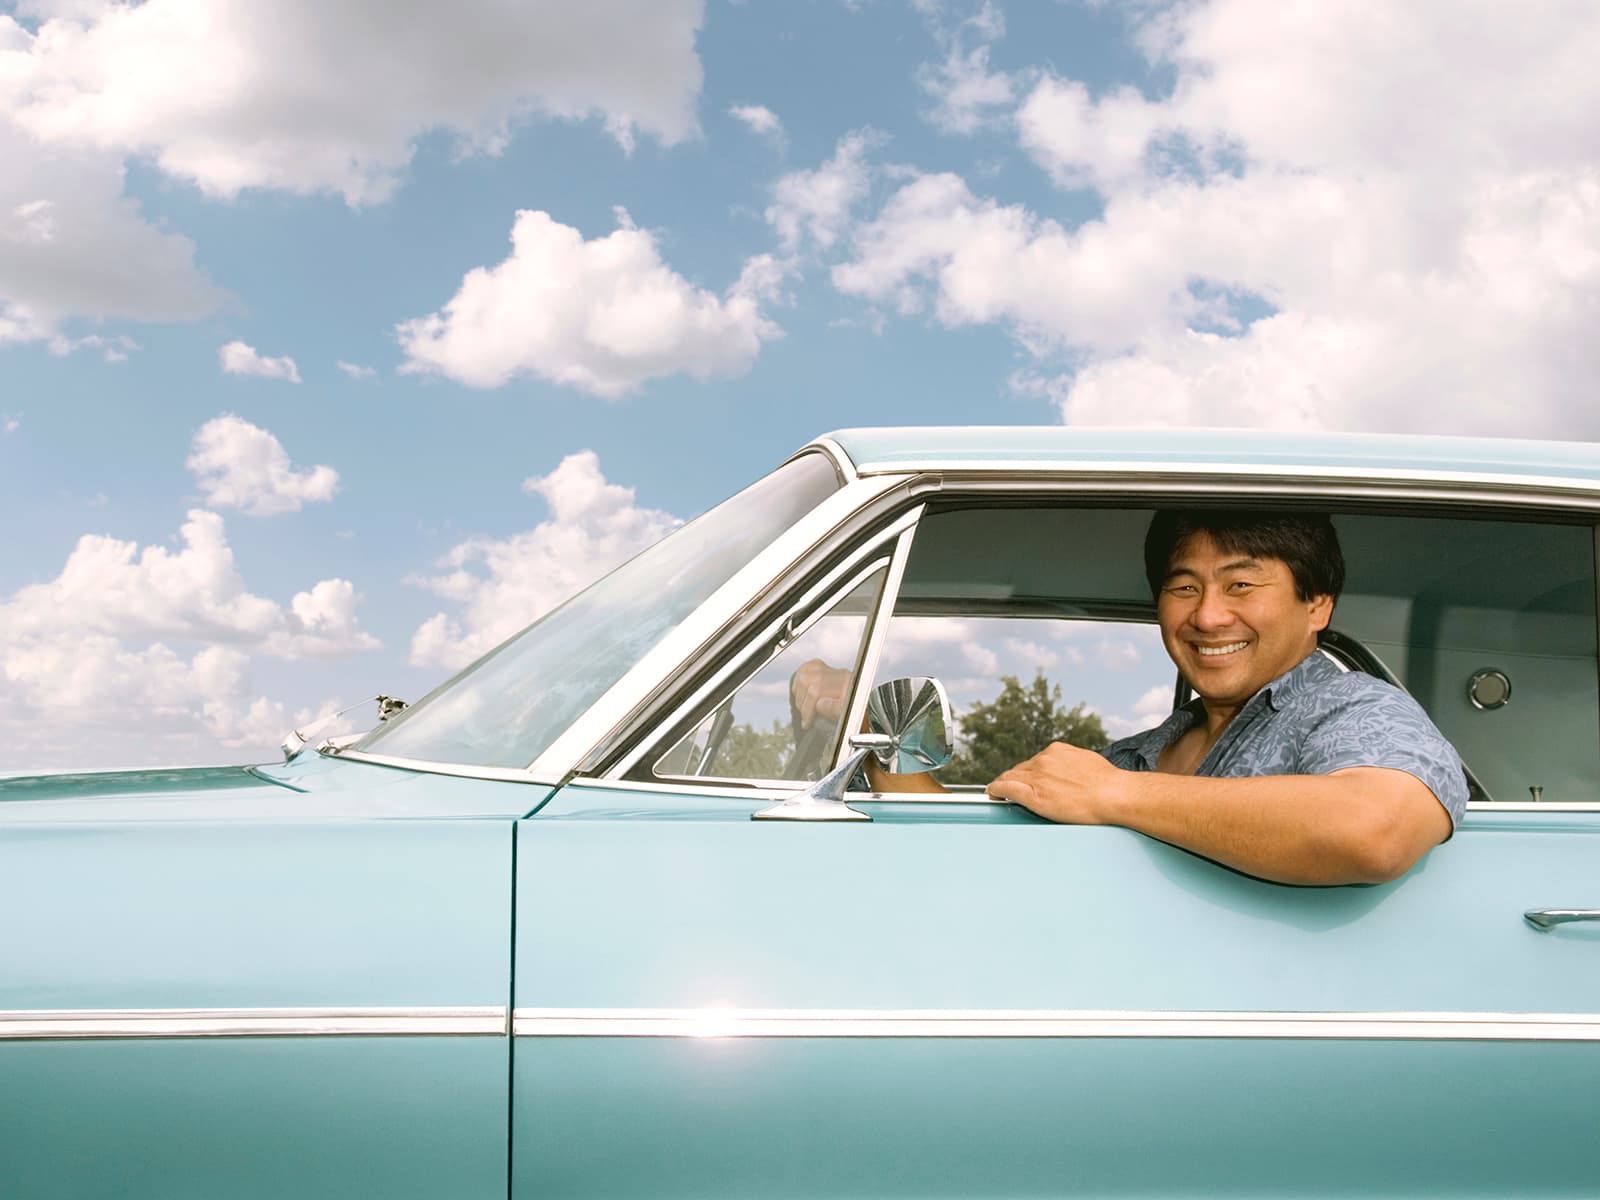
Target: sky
339,341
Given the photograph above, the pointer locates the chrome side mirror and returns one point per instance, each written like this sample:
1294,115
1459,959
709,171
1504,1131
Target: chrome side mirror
914,714
910,722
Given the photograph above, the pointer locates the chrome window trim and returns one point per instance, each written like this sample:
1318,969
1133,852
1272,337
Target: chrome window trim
1524,806
665,661
874,554
1299,475
760,794
818,601
738,790
877,631
1115,485
1052,1024
427,766
846,465
725,632
143,1023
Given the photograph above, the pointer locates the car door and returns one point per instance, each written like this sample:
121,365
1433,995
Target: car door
958,999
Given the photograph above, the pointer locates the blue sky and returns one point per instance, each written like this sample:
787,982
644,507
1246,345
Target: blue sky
737,225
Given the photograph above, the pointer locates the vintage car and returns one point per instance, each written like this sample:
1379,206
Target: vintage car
524,937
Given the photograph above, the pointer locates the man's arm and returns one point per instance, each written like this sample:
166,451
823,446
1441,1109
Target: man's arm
1357,825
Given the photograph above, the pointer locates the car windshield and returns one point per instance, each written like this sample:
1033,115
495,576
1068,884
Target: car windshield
507,707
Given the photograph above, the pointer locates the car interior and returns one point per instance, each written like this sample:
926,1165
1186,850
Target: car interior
1490,623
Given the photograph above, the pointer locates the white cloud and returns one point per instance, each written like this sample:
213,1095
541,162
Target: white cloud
603,316
818,204
307,96
356,370
1085,142
758,119
1149,710
502,585
71,245
112,349
1383,218
237,358
112,588
967,93
240,465
94,669
10,422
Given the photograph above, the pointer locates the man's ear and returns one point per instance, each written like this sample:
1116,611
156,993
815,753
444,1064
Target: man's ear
1321,610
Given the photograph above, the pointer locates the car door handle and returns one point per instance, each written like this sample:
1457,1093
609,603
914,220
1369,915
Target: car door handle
1549,918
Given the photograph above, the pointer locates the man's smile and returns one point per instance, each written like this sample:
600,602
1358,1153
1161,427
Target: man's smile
1225,648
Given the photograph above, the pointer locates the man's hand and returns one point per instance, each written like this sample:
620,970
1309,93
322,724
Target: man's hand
1063,783
818,690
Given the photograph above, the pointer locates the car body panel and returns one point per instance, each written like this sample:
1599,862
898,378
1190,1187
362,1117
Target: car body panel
696,1118
247,1118
680,904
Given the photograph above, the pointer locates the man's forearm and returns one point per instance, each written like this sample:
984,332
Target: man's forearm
1366,825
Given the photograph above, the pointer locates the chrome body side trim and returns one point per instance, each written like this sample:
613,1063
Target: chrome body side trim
78,1024
1001,1023
490,1021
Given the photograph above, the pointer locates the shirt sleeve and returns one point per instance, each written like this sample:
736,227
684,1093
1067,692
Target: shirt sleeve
1373,724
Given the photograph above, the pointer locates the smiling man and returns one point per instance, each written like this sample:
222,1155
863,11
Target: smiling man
1285,766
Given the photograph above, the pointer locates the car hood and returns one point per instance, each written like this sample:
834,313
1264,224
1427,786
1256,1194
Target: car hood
311,788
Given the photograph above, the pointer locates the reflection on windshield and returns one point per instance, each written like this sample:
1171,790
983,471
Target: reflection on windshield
507,707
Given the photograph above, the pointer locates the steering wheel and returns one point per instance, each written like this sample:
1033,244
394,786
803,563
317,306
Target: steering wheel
810,751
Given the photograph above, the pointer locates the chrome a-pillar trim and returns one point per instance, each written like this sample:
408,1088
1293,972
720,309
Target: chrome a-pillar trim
65,1024
1004,1023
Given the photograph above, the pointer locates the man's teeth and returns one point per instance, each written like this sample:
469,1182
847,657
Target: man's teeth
1228,649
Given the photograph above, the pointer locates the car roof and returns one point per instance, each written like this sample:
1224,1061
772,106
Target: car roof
1064,447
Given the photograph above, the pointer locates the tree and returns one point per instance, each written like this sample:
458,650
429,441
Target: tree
1017,724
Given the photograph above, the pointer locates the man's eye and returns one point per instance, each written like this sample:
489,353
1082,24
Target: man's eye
1240,585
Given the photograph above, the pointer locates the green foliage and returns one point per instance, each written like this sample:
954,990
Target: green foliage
751,753
1017,724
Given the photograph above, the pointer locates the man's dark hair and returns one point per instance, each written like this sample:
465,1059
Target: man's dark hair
1305,542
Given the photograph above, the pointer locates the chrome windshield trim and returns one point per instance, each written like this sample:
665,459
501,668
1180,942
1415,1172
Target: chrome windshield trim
1051,1023
76,1024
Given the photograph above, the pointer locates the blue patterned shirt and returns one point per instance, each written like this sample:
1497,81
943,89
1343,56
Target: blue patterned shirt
1314,719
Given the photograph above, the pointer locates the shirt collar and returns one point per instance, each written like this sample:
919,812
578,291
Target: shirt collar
1308,672
1311,670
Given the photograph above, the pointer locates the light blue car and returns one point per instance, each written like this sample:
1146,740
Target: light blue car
524,938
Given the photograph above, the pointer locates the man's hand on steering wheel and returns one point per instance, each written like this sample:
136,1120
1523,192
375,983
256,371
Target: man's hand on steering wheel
818,690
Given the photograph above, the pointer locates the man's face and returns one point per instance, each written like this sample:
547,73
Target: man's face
1233,623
